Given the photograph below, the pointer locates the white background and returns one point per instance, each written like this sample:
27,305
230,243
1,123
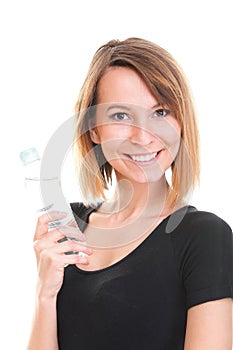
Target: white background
46,47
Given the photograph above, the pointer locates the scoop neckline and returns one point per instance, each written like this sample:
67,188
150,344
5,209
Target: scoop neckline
91,272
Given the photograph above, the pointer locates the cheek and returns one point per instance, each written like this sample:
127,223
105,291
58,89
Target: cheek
174,140
111,138
173,147
110,149
112,133
169,132
170,135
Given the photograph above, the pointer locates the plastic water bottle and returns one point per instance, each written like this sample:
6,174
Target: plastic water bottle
45,195
31,160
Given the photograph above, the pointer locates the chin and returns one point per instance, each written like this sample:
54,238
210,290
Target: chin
144,178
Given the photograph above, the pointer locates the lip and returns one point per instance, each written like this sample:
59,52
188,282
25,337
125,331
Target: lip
146,162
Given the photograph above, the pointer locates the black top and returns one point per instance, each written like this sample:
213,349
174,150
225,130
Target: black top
141,301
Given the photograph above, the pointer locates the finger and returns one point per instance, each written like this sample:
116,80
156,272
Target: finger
72,246
49,239
43,221
50,248
73,232
75,259
51,257
61,261
51,236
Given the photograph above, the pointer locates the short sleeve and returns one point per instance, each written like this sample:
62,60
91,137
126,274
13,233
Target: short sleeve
204,252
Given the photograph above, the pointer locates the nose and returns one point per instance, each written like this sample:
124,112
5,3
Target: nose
140,135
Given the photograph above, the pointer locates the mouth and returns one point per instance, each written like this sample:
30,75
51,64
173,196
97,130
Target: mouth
144,158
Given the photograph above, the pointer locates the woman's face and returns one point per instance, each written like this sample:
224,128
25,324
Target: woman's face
139,137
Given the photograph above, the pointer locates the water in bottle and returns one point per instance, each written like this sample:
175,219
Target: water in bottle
45,195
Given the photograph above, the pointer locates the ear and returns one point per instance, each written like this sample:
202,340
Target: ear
94,135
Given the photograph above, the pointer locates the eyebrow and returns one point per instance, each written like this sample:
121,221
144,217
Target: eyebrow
118,106
128,108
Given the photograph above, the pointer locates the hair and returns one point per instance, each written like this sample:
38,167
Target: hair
166,81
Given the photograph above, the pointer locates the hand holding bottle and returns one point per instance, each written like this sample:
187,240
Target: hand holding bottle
52,256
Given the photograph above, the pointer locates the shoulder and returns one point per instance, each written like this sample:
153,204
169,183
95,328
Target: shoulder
207,219
203,249
201,232
192,223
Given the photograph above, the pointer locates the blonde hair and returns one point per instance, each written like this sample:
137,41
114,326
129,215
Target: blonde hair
167,82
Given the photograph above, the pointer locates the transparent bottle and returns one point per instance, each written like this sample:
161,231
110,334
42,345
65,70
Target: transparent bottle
45,196
31,160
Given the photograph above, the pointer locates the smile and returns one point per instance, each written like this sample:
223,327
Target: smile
143,157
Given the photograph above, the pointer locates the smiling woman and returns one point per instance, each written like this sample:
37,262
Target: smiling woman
136,140
167,86
158,272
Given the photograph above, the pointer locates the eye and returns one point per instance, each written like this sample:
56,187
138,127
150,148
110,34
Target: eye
161,112
119,116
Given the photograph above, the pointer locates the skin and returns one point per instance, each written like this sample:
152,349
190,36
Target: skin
141,132
139,126
130,123
141,197
51,262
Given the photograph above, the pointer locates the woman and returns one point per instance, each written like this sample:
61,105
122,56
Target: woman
157,273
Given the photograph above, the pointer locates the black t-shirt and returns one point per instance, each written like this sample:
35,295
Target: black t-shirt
141,301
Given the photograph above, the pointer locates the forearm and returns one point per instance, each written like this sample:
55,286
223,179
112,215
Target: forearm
44,328
51,262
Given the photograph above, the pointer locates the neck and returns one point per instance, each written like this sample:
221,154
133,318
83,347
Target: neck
132,199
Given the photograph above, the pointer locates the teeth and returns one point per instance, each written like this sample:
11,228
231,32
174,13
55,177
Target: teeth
144,158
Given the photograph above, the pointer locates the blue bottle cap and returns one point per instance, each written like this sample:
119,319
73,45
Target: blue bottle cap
29,155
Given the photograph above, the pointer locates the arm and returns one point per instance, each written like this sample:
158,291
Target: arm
209,326
51,262
208,280
44,328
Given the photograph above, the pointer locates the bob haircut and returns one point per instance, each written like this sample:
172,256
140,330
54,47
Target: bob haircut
167,83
